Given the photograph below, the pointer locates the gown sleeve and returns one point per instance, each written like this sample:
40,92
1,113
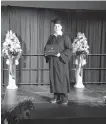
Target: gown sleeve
66,54
47,58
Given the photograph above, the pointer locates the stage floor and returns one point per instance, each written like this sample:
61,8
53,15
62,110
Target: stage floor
87,102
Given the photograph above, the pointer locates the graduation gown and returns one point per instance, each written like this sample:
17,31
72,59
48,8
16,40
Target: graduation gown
58,66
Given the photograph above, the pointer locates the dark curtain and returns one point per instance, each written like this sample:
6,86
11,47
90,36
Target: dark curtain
33,27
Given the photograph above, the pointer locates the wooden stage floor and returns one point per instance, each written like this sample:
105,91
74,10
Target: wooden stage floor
83,103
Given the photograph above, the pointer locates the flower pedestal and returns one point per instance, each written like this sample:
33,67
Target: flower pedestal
79,72
12,73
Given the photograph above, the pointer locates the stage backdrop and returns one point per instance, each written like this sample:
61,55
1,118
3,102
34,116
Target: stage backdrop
33,26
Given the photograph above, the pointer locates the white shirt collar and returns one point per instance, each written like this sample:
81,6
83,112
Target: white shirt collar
59,33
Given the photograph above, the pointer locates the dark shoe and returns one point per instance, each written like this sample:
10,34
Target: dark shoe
64,98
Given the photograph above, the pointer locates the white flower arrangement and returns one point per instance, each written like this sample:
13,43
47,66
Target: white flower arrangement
80,47
11,47
80,44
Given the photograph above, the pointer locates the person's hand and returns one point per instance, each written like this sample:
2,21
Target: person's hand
58,55
45,53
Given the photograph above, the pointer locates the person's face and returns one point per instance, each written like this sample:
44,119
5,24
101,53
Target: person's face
57,27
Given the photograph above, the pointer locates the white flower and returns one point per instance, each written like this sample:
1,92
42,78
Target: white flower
11,46
80,44
16,62
7,61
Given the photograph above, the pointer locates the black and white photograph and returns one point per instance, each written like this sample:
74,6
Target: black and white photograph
53,62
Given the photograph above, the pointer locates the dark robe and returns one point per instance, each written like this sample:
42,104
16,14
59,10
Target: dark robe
58,66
